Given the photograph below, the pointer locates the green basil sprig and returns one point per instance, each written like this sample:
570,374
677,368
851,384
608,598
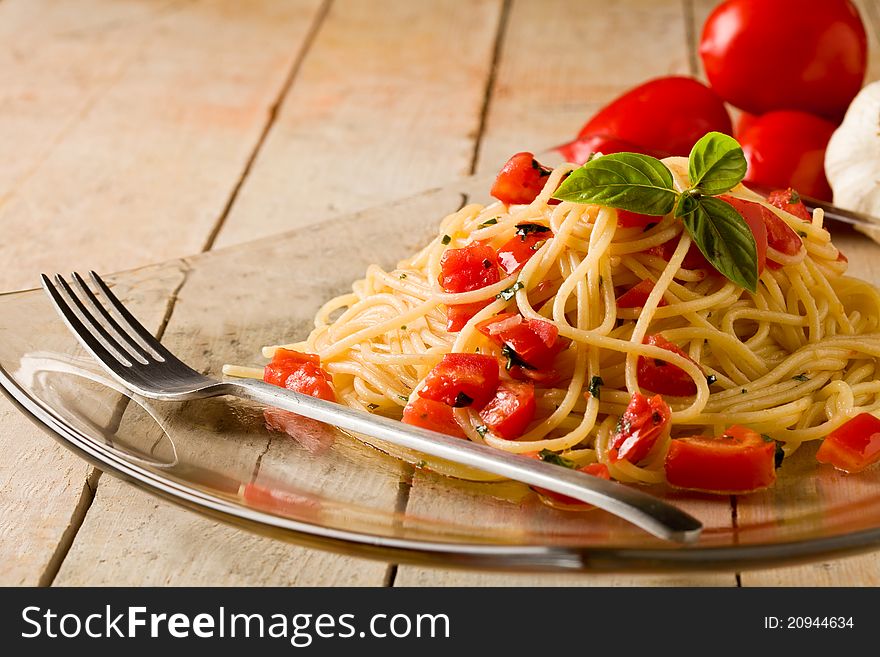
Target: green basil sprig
643,184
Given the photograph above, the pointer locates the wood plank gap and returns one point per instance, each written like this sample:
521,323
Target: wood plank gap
503,20
272,117
404,486
77,518
690,30
873,16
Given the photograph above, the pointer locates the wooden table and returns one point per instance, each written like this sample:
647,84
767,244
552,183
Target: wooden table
136,131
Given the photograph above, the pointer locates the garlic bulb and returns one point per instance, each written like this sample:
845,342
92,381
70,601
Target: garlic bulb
852,160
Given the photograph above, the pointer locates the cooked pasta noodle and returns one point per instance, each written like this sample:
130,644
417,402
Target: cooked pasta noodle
794,360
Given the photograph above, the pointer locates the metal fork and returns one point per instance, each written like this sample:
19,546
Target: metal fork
143,365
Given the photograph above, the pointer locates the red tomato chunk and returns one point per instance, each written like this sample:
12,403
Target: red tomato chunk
740,461
465,270
534,342
520,180
511,409
461,380
301,373
641,424
853,446
517,251
637,296
657,375
790,201
432,415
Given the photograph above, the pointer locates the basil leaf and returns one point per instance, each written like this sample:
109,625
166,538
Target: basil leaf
626,181
716,164
726,240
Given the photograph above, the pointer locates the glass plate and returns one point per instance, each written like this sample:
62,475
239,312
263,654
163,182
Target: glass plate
319,487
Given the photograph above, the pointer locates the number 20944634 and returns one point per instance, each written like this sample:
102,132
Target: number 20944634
808,622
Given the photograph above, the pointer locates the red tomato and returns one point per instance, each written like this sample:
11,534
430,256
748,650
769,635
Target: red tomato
636,296
743,123
627,219
853,446
432,415
641,424
757,217
464,270
461,380
787,149
657,375
765,55
534,342
301,373
283,363
693,259
667,115
470,268
517,251
595,469
790,201
740,461
520,180
511,409
580,150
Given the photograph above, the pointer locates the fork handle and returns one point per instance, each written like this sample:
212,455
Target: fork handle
650,513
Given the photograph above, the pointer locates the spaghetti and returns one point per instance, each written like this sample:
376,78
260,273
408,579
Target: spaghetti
794,361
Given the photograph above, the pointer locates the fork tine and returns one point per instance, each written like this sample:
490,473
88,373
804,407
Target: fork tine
86,338
92,324
135,328
121,336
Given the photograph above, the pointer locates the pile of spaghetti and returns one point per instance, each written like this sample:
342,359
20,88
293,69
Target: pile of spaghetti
603,340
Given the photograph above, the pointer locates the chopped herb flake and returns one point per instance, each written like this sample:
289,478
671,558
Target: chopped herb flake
513,359
649,226
489,222
743,391
801,378
403,328
445,239
794,198
552,457
525,229
595,388
481,429
402,276
372,407
711,379
779,455
802,233
510,292
403,397
462,400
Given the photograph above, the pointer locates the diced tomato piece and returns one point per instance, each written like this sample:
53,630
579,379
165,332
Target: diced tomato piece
853,446
517,251
740,461
284,361
541,378
301,373
464,270
756,216
627,219
659,376
458,315
777,233
693,259
841,257
595,469
534,342
511,409
470,268
461,380
790,201
641,424
433,415
313,380
520,180
637,296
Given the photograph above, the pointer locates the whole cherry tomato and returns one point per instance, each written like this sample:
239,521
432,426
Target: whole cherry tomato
665,116
765,55
787,149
